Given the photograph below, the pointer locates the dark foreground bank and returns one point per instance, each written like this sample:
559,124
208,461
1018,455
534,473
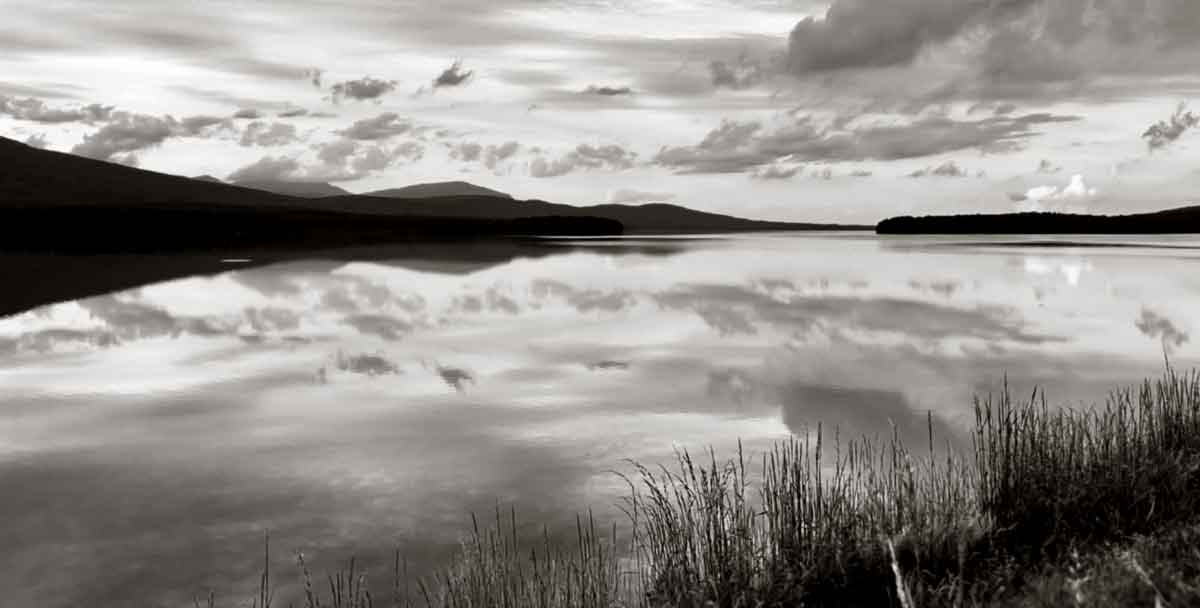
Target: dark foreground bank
1054,507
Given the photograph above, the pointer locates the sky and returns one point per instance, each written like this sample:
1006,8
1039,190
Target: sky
851,110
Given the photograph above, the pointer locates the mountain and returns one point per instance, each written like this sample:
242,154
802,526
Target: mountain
52,200
1171,221
299,189
438,189
209,178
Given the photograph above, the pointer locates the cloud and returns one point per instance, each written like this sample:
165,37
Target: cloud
380,326
452,76
776,172
734,146
384,126
259,133
368,365
341,159
467,151
363,89
37,140
495,154
248,113
455,377
626,196
292,113
946,169
127,133
608,91
36,110
1158,327
1165,132
1048,168
1059,198
266,169
584,156
314,76
742,74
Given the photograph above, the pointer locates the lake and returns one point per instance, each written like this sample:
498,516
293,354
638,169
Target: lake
358,402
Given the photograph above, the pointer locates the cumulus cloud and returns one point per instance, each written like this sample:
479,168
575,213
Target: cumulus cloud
608,91
1048,167
1058,198
1165,132
248,114
126,134
267,169
467,151
260,133
625,196
584,156
342,159
293,113
363,89
36,110
946,169
314,76
384,126
735,146
495,154
453,76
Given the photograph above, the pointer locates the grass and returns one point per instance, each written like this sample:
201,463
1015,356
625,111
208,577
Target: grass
1054,507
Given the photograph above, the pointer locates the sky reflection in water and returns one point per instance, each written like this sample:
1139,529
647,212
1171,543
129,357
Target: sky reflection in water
153,434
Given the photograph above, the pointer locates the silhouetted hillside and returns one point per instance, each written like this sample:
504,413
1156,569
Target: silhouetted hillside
1180,220
456,188
300,189
55,201
209,178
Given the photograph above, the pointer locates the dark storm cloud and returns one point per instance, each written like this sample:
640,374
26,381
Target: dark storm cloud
735,146
1004,49
861,33
452,76
363,89
1158,327
584,156
384,126
1165,132
608,91
260,133
36,110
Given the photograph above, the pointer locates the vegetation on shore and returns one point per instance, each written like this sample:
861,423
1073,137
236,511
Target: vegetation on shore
1054,507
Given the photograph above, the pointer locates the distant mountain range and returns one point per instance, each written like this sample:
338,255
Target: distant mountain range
1181,220
53,200
297,189
438,189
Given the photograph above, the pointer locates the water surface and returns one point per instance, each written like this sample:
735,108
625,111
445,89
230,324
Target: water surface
353,403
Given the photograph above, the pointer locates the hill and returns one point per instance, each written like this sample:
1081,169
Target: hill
298,189
438,189
53,200
1171,221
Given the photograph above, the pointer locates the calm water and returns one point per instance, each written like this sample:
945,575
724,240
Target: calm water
148,437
